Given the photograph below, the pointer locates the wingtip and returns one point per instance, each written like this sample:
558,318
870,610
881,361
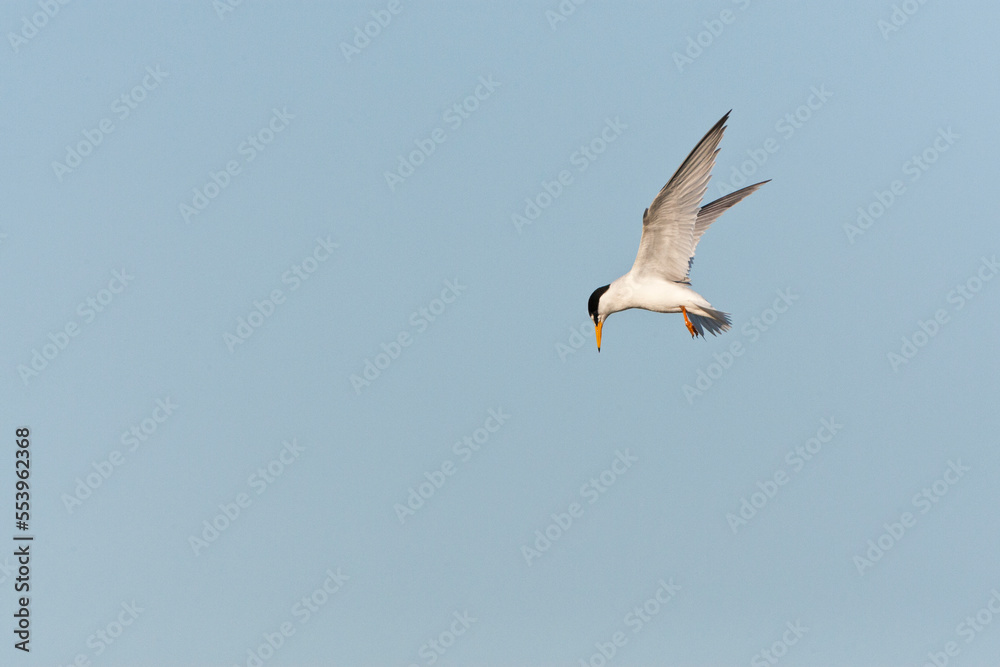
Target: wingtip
718,129
721,125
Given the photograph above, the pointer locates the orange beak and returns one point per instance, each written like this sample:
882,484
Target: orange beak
600,324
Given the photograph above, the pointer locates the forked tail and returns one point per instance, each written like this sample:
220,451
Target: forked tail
713,321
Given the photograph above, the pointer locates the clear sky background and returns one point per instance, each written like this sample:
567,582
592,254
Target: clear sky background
201,246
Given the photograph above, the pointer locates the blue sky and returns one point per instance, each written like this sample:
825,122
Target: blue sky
295,315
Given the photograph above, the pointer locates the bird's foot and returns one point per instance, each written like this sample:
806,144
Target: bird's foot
688,322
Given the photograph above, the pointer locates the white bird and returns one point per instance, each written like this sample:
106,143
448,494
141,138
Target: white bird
671,228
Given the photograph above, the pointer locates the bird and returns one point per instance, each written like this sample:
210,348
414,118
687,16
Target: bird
671,228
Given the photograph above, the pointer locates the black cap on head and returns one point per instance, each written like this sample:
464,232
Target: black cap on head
594,299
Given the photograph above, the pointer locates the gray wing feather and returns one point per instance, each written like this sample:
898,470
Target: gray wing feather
709,213
668,226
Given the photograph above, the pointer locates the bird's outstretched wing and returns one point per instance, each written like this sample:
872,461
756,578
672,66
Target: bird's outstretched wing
668,225
709,213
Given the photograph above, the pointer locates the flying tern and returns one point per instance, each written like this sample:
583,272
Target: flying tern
671,228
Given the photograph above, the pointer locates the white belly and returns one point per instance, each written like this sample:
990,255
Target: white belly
661,296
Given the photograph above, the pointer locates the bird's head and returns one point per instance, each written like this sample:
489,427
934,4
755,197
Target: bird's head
594,306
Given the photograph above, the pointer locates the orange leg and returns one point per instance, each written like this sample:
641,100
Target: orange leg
688,322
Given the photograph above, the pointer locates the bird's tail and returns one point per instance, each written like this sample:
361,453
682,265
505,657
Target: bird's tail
714,321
